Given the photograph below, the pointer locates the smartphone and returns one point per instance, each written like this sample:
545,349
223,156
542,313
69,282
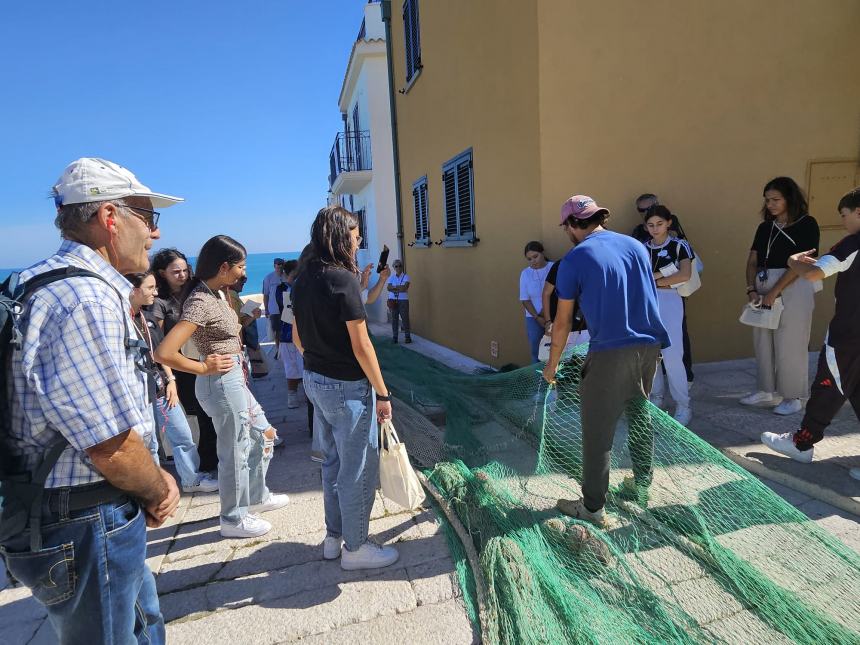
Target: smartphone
383,259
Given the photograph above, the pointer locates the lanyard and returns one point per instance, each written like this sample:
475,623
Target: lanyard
772,238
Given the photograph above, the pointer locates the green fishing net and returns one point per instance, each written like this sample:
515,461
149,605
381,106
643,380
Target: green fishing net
705,554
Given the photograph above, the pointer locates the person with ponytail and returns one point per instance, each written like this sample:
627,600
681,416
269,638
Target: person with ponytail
169,415
172,272
245,437
343,381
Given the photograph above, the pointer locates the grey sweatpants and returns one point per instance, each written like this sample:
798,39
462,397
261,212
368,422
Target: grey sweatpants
613,380
782,354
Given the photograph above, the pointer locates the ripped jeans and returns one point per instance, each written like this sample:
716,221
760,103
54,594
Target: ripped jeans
243,457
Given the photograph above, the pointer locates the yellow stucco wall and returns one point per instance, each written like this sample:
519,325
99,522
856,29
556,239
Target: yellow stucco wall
479,93
700,102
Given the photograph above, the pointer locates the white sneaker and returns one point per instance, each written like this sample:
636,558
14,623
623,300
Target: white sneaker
855,473
204,484
332,547
368,556
683,414
275,501
788,406
292,399
576,508
250,526
761,398
784,444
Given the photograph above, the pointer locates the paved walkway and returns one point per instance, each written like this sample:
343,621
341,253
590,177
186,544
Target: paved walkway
733,428
278,589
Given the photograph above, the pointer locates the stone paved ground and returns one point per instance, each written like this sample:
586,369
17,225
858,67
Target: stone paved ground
279,589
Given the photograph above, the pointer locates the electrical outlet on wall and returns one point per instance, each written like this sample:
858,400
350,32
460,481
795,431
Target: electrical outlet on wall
494,348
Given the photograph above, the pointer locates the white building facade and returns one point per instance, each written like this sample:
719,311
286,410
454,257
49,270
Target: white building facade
362,161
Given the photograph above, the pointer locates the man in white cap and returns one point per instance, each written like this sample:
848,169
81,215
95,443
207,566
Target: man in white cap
79,401
610,276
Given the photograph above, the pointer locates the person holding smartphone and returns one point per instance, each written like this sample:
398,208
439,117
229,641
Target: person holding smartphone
343,381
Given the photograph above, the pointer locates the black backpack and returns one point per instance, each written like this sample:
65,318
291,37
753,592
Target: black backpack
21,491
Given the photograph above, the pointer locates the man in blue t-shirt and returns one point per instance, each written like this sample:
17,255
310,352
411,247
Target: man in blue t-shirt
609,275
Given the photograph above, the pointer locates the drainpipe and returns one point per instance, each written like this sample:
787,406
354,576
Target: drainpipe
386,18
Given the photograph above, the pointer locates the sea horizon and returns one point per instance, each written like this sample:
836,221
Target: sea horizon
259,265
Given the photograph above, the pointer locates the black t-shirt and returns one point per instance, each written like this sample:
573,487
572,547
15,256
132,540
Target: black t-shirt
167,309
845,326
672,251
324,299
803,235
578,320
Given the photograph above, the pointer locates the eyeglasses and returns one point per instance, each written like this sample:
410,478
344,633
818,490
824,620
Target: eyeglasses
359,239
151,220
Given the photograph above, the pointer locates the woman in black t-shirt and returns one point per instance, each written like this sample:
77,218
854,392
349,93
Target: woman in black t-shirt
340,378
782,353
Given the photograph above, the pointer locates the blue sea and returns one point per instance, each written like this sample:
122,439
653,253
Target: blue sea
259,264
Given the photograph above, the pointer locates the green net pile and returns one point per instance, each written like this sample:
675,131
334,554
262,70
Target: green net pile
709,554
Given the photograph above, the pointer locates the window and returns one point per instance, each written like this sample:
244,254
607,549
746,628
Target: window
362,227
458,188
419,202
412,38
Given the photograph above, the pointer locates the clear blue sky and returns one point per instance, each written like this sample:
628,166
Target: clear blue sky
232,105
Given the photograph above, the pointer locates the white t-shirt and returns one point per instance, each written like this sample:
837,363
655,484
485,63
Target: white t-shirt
531,286
398,281
270,283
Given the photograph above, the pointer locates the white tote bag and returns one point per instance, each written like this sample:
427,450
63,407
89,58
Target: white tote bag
758,316
399,482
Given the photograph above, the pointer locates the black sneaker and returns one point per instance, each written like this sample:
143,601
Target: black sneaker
408,340
394,340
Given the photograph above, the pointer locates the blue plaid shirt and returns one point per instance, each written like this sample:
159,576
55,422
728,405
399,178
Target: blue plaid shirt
73,374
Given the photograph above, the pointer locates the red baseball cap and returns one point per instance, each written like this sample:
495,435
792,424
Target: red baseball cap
580,207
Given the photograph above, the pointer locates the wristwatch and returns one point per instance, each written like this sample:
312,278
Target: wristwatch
386,397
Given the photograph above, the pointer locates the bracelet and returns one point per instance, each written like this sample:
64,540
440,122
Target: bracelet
386,398
749,291
170,379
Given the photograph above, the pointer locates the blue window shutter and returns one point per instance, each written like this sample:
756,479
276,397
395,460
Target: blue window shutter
407,39
425,218
464,197
450,186
416,37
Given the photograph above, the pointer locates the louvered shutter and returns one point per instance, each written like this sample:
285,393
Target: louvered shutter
408,38
416,202
449,181
425,220
464,197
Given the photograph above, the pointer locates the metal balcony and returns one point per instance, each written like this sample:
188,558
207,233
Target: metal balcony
350,163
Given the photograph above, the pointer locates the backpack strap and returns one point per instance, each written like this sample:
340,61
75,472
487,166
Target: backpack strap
58,446
55,275
38,482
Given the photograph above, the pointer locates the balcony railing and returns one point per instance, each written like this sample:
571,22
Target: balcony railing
350,153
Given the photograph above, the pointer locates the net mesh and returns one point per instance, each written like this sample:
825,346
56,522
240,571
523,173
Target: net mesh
706,553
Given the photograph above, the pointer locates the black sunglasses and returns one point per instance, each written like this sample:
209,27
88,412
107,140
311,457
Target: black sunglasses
151,220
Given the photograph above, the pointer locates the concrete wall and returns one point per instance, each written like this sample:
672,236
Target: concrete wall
701,103
478,89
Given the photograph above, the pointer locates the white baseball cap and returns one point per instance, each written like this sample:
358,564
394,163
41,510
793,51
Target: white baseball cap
90,179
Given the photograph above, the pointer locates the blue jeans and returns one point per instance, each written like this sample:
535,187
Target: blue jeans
239,423
535,332
91,575
345,427
178,434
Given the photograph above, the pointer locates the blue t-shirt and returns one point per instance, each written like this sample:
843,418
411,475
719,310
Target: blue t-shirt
609,276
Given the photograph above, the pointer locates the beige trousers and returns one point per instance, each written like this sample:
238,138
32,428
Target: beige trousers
782,354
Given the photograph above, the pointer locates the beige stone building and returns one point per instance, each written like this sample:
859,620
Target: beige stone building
505,108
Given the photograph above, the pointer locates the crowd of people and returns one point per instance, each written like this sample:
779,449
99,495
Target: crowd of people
113,352
113,348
